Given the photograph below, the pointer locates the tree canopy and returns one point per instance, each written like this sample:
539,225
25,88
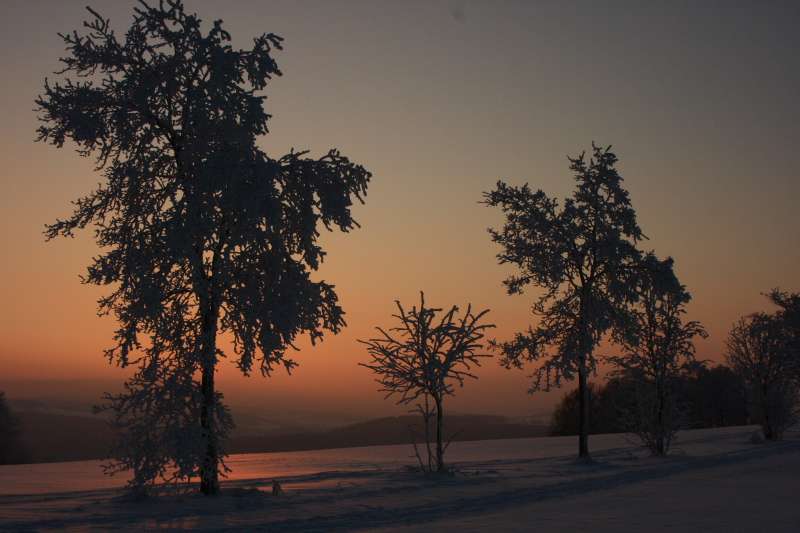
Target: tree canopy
762,349
658,347
201,232
658,344
582,255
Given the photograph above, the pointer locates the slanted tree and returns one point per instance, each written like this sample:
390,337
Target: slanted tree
757,349
201,232
583,256
658,349
423,358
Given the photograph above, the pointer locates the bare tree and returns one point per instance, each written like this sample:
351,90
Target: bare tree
756,349
658,348
583,256
201,232
422,359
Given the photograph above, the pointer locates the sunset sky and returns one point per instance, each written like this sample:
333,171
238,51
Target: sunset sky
439,100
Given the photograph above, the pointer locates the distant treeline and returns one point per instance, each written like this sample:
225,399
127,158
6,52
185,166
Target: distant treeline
11,449
706,397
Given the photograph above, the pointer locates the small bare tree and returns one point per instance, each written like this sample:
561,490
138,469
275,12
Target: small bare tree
658,346
422,359
757,349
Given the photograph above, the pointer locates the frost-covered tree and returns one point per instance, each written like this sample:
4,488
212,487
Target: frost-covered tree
201,233
657,349
788,314
759,349
423,358
582,255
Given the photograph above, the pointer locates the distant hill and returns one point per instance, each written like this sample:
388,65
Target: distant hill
389,430
51,437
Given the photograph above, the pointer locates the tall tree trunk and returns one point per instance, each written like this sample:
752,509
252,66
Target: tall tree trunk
209,470
583,401
584,343
439,446
769,433
428,433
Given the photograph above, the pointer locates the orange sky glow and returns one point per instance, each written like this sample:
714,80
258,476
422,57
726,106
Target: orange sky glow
439,100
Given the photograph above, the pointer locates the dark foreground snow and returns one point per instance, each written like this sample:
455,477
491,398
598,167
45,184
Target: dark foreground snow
716,481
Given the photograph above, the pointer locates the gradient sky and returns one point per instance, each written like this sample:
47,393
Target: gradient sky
439,99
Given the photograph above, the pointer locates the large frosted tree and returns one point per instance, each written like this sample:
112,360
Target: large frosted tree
200,232
582,256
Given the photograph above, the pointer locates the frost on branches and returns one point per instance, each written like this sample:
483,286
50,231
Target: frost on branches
201,233
764,349
582,255
658,348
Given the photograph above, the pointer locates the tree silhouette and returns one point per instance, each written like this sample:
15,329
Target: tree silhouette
708,398
583,256
788,314
201,232
11,449
657,349
423,358
760,348
565,416
715,396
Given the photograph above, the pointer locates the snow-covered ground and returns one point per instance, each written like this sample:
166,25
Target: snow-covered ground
716,480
